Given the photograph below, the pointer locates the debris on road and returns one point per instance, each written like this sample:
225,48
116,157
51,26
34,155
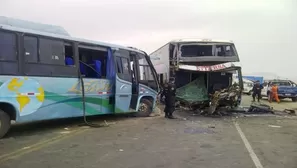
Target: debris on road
260,108
65,132
290,111
156,112
274,126
198,131
211,126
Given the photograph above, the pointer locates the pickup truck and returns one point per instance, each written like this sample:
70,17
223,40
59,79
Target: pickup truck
286,89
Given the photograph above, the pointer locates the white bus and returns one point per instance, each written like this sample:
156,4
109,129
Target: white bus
205,64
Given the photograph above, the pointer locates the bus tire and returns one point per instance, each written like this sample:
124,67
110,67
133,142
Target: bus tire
145,108
4,123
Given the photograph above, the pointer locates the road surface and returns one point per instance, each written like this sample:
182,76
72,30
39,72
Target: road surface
188,142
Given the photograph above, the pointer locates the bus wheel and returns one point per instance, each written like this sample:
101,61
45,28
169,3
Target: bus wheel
145,108
4,123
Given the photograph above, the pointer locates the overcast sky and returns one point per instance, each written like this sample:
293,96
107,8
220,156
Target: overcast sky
264,31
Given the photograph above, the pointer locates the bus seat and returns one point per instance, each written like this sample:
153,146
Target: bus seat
82,68
69,61
97,67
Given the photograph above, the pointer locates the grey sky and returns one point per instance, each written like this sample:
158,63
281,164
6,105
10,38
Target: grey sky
264,31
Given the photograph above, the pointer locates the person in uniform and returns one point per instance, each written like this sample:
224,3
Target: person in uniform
169,93
257,91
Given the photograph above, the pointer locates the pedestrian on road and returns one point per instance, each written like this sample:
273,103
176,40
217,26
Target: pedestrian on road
257,91
274,94
169,93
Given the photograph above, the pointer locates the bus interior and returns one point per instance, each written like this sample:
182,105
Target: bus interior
195,86
92,61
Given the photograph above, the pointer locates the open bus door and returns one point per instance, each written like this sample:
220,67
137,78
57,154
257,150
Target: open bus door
123,81
135,81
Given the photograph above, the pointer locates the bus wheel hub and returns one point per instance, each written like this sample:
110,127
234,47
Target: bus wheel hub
143,107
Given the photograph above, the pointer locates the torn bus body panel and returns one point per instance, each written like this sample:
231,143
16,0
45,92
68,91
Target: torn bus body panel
228,97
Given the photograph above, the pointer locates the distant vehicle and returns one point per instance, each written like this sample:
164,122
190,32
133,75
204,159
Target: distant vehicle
286,89
247,86
49,76
254,78
200,67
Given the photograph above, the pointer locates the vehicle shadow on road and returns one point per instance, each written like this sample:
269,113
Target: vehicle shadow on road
46,126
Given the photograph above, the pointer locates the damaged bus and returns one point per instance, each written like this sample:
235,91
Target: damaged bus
47,74
200,67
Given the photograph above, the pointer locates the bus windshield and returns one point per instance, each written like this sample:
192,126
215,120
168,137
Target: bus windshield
202,50
146,72
281,83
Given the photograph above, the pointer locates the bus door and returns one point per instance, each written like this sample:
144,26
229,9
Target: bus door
123,82
135,81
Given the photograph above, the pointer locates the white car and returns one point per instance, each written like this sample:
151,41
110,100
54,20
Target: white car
247,86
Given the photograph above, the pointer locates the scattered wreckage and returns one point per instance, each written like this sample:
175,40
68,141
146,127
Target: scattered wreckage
228,97
195,97
221,102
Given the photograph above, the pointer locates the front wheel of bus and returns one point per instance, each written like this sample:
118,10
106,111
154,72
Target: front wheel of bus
145,108
4,123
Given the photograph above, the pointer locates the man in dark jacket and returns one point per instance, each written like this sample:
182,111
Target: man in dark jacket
169,93
257,91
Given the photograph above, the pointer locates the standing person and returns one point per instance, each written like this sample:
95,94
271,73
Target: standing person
257,91
169,92
274,93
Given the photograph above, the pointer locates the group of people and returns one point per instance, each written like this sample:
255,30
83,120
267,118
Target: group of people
257,88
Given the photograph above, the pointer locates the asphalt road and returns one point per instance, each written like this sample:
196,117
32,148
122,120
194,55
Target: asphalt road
190,141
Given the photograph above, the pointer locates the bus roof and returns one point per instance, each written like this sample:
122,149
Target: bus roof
33,25
63,36
201,40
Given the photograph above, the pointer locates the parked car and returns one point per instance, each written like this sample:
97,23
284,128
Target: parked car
286,89
247,86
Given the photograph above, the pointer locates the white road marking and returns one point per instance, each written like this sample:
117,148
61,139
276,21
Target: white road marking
248,147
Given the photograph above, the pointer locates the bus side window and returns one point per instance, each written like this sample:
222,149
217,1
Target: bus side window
123,68
8,46
8,53
31,49
51,51
68,53
47,57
